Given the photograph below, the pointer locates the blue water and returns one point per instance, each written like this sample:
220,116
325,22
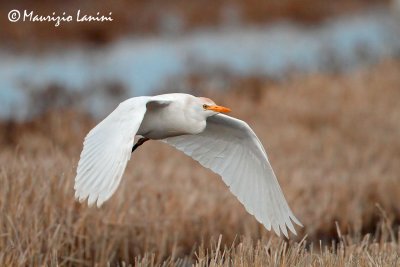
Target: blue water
143,65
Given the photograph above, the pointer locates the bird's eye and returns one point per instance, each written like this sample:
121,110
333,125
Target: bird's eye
205,106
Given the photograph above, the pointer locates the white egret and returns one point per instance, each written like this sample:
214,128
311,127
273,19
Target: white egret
194,125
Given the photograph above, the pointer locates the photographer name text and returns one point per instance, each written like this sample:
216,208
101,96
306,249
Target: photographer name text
80,17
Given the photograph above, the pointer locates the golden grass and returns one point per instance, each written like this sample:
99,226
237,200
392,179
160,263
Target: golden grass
332,140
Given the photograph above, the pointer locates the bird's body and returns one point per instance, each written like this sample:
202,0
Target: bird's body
195,126
157,124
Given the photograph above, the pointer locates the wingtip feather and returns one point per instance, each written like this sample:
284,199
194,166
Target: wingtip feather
295,220
284,230
92,199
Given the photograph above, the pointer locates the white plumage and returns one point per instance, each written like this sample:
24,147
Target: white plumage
194,125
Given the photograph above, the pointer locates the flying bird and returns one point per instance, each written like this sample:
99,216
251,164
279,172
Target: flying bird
197,127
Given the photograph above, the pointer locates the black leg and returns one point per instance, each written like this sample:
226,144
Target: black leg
139,143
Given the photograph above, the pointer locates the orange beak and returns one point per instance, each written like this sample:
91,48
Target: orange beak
219,109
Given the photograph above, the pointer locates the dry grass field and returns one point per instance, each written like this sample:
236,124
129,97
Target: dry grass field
334,142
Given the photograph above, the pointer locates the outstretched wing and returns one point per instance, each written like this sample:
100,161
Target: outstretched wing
230,148
107,149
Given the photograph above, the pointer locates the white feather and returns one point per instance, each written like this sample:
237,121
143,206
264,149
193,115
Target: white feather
107,149
237,155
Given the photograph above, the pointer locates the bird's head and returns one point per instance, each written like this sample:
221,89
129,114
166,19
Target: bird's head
210,108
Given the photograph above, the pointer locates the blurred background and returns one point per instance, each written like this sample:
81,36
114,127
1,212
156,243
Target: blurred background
319,81
181,46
